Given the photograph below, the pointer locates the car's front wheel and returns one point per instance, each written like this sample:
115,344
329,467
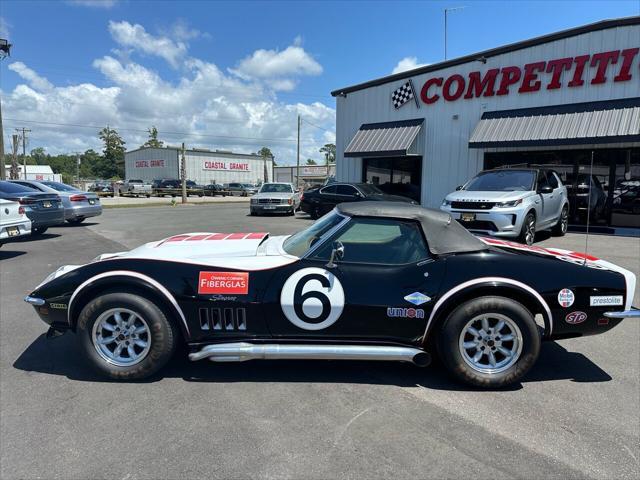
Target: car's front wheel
126,336
489,342
528,230
75,221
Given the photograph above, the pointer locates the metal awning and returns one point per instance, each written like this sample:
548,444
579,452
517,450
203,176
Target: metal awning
385,139
580,123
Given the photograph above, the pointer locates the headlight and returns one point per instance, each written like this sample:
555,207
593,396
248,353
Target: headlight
290,201
512,203
446,202
254,200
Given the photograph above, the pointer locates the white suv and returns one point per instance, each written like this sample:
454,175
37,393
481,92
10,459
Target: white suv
511,202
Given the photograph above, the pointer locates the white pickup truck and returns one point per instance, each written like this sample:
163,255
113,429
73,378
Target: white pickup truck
13,221
136,188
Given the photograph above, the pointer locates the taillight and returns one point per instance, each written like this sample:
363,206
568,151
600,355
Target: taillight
21,210
301,196
78,198
26,201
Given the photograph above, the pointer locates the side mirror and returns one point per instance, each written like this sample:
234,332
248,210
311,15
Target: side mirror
459,187
336,254
546,189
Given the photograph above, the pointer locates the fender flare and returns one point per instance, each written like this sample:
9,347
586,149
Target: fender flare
139,277
490,282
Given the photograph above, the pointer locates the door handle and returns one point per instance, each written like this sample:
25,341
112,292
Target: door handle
537,201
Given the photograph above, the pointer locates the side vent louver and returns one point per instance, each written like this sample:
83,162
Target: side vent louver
227,319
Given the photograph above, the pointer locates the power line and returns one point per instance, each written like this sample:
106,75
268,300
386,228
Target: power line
314,125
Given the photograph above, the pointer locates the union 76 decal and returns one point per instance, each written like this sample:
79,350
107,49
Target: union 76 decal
312,298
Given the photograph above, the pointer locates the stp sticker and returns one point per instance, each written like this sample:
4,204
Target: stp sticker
605,300
312,298
223,283
575,317
417,298
566,297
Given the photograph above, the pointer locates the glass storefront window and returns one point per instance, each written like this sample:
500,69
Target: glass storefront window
394,175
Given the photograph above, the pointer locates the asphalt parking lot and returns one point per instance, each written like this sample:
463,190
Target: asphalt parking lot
576,415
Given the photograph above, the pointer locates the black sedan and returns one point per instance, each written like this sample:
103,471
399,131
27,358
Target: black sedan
318,201
214,189
369,281
43,209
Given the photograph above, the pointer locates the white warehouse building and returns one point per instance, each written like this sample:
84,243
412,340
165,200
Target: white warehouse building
559,101
202,166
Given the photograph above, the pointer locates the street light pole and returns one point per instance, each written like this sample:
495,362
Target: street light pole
446,10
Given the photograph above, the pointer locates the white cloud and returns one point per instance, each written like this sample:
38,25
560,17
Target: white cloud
278,67
106,4
5,28
182,31
137,38
213,108
35,80
407,63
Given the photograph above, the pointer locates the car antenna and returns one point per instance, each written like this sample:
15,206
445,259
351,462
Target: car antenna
586,240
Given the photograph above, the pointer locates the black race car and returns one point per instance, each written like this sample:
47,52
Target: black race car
319,201
370,280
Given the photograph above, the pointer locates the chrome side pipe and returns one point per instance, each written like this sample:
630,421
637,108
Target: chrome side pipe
243,351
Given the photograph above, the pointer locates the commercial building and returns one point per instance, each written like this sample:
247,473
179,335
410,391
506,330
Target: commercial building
202,166
565,101
309,174
36,172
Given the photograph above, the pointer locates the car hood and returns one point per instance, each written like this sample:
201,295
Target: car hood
466,196
273,195
241,251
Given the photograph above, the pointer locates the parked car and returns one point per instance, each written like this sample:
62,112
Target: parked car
318,201
102,189
587,193
173,187
43,209
136,188
242,189
626,196
513,203
78,205
369,281
13,221
275,198
214,189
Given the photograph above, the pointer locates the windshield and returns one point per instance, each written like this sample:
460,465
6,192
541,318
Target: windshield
248,185
503,181
299,243
8,187
368,189
61,187
276,188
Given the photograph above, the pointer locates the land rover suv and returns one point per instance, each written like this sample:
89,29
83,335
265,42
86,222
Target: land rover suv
511,202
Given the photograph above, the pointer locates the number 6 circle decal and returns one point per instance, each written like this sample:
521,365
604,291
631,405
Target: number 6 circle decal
312,298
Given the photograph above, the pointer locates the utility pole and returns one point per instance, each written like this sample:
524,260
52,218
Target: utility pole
24,149
183,175
77,169
5,51
13,174
298,157
446,10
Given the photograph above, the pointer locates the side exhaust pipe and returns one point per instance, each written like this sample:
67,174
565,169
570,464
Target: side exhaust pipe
243,351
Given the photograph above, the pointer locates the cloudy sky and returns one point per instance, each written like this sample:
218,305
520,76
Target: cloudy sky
233,75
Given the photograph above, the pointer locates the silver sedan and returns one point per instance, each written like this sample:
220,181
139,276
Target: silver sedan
77,204
275,198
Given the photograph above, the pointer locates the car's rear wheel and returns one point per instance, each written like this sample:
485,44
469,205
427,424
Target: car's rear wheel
560,228
75,221
39,230
126,336
528,230
315,212
489,342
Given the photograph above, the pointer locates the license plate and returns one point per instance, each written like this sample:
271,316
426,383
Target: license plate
13,231
46,204
269,207
467,217
92,201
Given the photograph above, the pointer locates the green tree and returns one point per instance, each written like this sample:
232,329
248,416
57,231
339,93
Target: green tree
311,161
329,151
111,164
153,139
39,156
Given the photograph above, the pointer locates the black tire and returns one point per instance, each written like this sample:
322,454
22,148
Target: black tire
450,351
252,212
315,212
163,335
526,236
39,230
560,228
75,221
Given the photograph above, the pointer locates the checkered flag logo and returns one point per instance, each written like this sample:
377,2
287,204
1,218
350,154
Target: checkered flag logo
403,94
